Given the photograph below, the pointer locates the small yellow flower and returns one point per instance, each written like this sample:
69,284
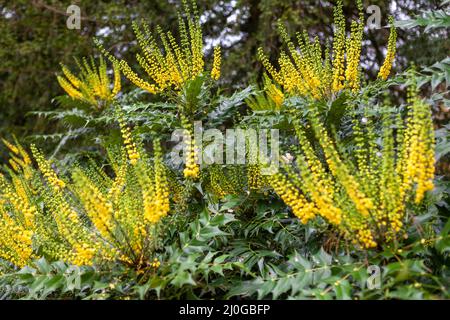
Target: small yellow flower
156,263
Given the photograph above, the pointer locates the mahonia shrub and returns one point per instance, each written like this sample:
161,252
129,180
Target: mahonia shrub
355,169
95,216
88,218
365,192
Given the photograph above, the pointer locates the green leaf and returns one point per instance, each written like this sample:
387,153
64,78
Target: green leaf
282,286
231,202
183,278
42,266
54,283
342,290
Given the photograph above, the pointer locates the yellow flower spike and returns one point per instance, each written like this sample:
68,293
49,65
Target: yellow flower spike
102,82
16,240
14,149
192,169
134,78
275,94
215,72
46,169
99,210
20,160
216,181
74,81
130,145
155,188
17,225
268,66
354,44
118,183
338,48
420,144
18,196
385,69
117,82
303,209
161,181
69,89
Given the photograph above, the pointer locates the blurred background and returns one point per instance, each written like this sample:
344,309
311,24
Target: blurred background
35,39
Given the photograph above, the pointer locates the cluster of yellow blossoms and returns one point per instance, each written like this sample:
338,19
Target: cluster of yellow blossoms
16,224
87,218
90,216
308,70
155,191
215,72
191,152
192,169
417,154
390,56
92,85
130,145
363,193
256,181
235,179
176,63
223,180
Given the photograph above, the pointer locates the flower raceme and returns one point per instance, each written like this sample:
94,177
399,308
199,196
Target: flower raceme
309,70
222,184
89,218
225,180
92,85
128,141
192,168
215,72
390,56
173,65
365,193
